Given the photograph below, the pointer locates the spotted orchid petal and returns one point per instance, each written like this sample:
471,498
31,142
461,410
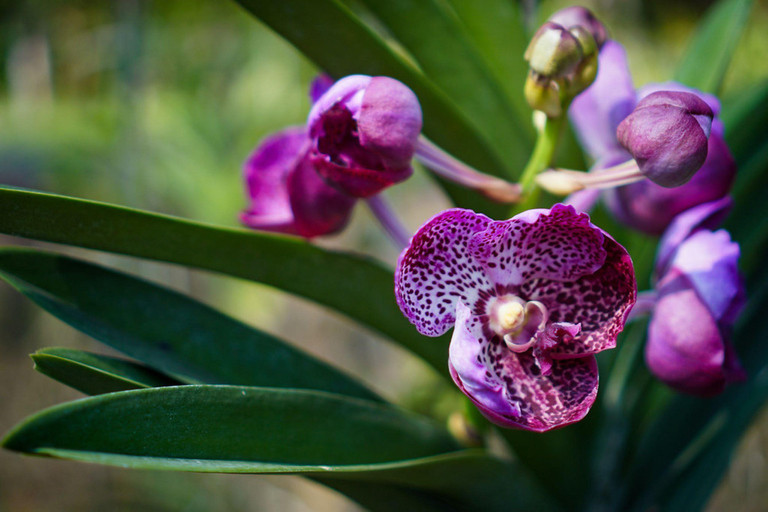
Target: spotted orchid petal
704,216
510,389
286,194
597,112
437,271
599,302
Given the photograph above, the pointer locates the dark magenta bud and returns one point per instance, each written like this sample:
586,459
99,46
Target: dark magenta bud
667,135
364,132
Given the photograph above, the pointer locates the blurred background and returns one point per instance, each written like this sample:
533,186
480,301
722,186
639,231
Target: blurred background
155,105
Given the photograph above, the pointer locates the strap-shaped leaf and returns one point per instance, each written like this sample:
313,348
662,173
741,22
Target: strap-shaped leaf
337,41
691,442
95,374
746,120
497,29
710,51
353,285
450,59
167,330
230,429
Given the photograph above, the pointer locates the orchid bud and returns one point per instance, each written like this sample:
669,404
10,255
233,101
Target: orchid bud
700,297
543,94
650,208
577,16
285,193
364,132
553,52
667,136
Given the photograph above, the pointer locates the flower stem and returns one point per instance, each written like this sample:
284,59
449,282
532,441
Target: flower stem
543,152
389,220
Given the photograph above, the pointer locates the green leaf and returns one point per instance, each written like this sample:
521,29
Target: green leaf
94,374
497,29
229,429
330,278
685,452
448,57
167,330
745,116
329,34
709,53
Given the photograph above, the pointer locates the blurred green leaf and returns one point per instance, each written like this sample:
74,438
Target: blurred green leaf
450,59
329,34
95,374
746,121
165,329
710,51
330,278
497,29
229,429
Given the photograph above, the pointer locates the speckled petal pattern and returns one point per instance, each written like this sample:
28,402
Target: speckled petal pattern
436,271
510,389
558,244
599,302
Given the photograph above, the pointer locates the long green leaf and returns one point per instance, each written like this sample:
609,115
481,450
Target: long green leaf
95,374
165,329
332,279
230,429
446,54
709,53
497,29
746,120
337,41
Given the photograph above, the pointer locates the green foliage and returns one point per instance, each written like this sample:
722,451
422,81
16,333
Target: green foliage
95,374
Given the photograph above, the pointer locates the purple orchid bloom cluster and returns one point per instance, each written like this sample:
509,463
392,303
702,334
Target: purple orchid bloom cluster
532,299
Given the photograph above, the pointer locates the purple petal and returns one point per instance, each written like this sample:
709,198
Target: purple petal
598,302
509,389
597,112
319,86
704,216
685,347
358,181
712,101
347,91
709,260
650,208
667,134
436,271
286,194
557,244
577,16
389,123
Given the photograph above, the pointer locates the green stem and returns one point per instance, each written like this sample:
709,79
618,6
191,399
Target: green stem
543,152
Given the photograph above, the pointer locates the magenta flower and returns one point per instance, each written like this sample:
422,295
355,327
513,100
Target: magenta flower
596,115
699,296
360,139
286,193
364,132
532,299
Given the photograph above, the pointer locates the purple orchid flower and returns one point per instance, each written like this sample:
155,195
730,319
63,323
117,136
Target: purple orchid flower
532,299
360,139
364,132
286,193
698,298
596,115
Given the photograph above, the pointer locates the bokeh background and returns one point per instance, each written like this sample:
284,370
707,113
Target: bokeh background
155,105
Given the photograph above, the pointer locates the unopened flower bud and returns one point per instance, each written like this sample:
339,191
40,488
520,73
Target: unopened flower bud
667,136
577,16
553,51
364,132
543,94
